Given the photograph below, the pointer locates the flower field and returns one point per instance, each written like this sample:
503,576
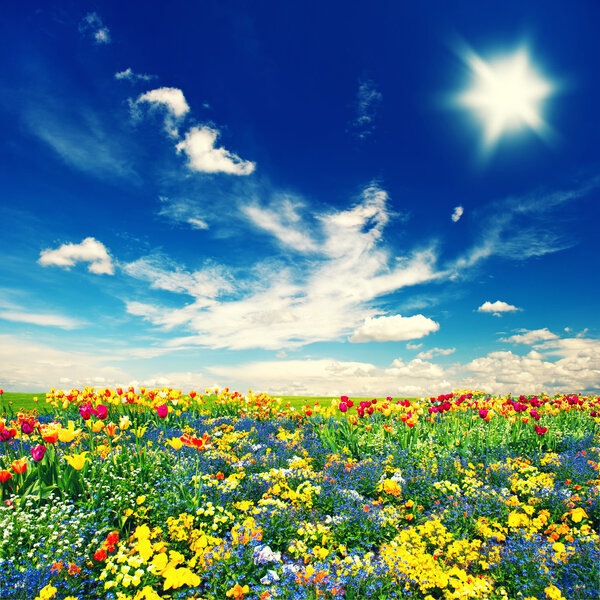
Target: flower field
117,494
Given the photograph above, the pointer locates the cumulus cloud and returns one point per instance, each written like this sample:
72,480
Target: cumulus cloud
199,146
457,213
566,365
531,337
427,354
367,101
497,308
92,26
170,98
89,250
394,329
129,75
42,319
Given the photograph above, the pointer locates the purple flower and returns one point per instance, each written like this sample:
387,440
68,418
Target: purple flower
38,452
26,427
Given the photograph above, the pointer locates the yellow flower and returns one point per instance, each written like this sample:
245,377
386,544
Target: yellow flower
47,592
140,500
77,461
577,514
175,443
553,592
124,423
147,593
97,426
140,431
68,435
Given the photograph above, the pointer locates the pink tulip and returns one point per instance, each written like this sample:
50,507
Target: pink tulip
38,452
162,411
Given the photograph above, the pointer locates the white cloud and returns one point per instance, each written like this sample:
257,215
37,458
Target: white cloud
35,367
329,377
129,75
497,308
283,221
531,337
524,226
165,275
289,304
367,102
93,26
393,329
182,211
577,369
428,354
89,250
43,319
199,146
457,213
410,346
170,98
82,139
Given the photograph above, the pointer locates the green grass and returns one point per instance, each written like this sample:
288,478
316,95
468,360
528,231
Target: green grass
16,401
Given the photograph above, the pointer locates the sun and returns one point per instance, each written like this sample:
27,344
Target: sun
507,95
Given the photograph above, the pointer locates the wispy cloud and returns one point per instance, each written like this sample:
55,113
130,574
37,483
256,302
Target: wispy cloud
523,227
289,304
92,26
182,211
82,140
42,319
497,308
284,222
366,104
129,75
89,250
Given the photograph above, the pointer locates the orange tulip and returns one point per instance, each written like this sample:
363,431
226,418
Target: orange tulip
20,466
110,429
5,475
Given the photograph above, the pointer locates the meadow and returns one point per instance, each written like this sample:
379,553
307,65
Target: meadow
148,494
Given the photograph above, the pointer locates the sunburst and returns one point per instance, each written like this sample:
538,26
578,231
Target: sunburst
507,95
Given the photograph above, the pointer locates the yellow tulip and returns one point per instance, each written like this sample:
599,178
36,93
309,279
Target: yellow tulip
97,426
140,431
69,434
77,461
175,443
124,423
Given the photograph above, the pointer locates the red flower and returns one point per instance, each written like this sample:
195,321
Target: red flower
112,538
5,475
100,555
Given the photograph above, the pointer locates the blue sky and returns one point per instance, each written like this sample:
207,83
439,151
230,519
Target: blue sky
308,198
